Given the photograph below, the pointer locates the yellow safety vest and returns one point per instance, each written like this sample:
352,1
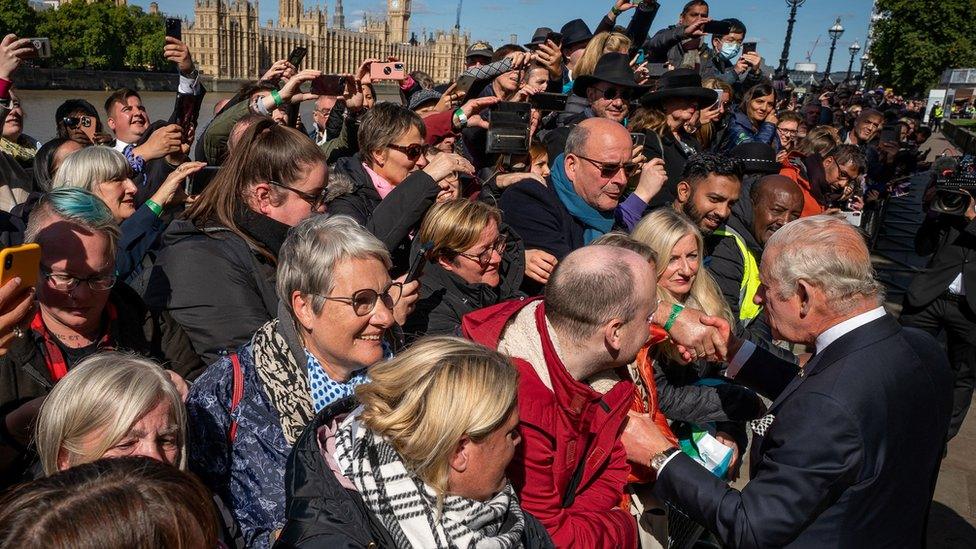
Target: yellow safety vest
749,285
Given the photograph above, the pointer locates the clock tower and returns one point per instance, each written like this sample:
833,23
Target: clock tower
398,15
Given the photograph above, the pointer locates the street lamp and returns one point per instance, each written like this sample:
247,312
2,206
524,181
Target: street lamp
785,57
834,33
855,47
865,59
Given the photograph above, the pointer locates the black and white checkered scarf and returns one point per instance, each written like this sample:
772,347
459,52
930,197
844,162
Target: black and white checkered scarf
407,507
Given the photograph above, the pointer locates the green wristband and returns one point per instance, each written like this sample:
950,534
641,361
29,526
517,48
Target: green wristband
156,208
675,311
277,98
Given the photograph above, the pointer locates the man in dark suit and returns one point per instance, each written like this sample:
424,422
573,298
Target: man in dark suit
944,298
851,455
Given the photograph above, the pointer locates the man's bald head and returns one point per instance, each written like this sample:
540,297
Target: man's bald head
593,285
603,132
606,143
776,200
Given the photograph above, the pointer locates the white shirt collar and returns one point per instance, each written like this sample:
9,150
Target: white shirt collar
835,332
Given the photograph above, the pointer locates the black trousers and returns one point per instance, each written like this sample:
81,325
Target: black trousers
953,315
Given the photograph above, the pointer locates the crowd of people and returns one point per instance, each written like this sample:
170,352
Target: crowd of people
376,328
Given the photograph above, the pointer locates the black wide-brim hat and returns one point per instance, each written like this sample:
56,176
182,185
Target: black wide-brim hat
575,32
756,158
538,37
613,68
680,83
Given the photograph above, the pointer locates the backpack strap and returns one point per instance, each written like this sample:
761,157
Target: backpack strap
236,394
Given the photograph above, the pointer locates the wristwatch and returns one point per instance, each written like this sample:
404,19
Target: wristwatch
660,458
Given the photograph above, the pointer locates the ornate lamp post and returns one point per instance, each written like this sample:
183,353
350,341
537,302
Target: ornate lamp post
834,33
855,47
785,57
865,59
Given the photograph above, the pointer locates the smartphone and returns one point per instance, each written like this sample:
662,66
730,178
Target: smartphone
748,47
718,28
88,125
174,28
297,55
639,138
417,263
464,83
548,101
41,46
387,71
557,38
196,183
21,261
329,84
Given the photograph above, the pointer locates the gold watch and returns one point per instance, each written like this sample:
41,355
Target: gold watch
658,459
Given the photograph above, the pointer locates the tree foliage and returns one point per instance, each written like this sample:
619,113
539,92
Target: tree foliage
917,40
16,16
93,35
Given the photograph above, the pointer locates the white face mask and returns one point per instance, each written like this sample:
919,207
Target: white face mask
730,50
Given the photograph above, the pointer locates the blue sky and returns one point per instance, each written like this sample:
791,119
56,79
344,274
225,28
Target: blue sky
495,21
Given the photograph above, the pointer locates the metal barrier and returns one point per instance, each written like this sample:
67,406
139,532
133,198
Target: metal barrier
962,138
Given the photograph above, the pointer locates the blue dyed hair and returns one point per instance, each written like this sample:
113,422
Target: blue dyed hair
75,205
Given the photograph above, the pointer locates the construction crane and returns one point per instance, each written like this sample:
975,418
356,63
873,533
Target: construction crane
457,21
813,48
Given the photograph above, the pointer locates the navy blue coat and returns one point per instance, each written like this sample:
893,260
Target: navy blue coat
535,212
852,457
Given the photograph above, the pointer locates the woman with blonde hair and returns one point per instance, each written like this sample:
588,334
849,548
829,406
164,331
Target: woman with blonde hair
472,260
112,405
601,43
417,459
683,283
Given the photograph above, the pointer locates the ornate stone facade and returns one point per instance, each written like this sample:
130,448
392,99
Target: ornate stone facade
228,42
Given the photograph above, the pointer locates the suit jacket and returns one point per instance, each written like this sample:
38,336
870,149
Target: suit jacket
953,240
852,456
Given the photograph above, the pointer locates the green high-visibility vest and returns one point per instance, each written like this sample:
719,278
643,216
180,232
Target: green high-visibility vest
938,112
749,284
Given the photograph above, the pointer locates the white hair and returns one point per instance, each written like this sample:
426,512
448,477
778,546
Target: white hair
90,166
313,249
826,252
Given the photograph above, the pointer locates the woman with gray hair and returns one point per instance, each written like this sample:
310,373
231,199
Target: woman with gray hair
106,173
336,303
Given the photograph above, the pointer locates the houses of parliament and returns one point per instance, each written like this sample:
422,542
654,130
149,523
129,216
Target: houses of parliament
229,43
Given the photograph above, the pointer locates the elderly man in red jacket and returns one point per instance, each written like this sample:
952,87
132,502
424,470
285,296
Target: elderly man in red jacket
572,465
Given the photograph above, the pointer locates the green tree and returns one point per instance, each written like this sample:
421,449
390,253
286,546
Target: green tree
144,49
16,16
917,40
87,35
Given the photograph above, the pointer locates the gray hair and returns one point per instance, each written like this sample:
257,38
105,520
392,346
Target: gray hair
77,206
90,166
827,252
105,393
313,249
576,141
589,287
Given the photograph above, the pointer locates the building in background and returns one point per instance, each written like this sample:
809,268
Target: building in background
229,43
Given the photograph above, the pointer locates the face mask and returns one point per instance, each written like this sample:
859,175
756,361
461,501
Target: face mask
729,50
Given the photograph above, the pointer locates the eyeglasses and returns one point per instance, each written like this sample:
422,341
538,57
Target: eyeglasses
64,282
609,170
612,92
73,121
315,200
363,302
786,132
413,151
484,258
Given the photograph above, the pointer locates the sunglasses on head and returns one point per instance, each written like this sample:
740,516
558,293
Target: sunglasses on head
613,92
74,121
413,151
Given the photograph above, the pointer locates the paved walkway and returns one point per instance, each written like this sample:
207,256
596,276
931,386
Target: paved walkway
952,522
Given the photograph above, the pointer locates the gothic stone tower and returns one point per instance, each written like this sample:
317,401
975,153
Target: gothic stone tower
289,13
398,17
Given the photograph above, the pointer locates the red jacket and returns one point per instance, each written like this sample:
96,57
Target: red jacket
566,431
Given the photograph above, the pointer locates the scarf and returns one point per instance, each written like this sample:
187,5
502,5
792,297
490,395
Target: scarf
406,506
596,223
284,380
19,152
267,232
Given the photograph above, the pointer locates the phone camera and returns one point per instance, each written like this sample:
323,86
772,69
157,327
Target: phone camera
8,262
387,70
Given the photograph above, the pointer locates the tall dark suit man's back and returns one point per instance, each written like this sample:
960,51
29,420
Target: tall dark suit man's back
852,457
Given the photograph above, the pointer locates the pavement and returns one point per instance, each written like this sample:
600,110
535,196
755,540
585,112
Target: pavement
952,520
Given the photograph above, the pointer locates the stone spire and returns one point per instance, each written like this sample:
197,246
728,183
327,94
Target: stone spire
338,19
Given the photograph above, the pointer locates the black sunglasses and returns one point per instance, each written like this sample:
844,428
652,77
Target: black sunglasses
613,92
73,121
315,200
413,151
609,170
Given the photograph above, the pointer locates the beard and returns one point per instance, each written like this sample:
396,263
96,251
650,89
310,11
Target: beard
689,209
